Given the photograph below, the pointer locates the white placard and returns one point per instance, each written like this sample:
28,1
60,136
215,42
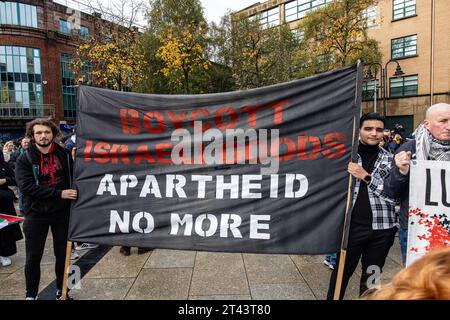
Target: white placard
429,208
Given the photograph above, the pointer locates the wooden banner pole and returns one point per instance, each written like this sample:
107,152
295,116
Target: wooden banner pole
343,253
66,270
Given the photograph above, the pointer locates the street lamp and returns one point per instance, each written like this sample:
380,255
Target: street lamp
373,77
398,73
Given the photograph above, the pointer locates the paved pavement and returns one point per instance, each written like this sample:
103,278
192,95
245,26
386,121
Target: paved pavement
173,274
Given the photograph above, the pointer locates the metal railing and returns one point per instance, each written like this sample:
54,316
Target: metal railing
17,111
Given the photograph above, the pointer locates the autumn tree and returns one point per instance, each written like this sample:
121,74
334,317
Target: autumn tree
116,59
113,52
182,55
175,46
335,36
261,56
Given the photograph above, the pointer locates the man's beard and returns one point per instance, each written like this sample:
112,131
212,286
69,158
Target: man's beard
44,145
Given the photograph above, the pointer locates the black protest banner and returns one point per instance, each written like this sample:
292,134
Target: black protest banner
263,170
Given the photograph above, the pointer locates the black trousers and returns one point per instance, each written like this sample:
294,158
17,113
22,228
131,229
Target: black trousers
372,246
36,230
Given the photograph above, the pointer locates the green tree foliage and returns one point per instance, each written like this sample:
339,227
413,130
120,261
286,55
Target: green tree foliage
185,55
261,56
335,36
175,43
219,51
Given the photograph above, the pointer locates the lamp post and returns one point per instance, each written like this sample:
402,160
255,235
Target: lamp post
398,73
373,77
383,72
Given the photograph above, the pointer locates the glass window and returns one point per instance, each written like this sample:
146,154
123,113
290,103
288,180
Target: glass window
404,47
369,89
9,64
18,14
297,9
16,67
65,26
28,15
83,32
68,86
404,9
14,14
37,65
23,64
22,12
7,14
34,17
20,86
2,13
270,18
371,14
404,86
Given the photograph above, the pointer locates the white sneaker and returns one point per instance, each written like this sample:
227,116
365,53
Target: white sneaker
5,261
74,255
31,298
86,246
329,264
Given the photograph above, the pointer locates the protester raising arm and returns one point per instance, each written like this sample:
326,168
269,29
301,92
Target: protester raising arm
396,183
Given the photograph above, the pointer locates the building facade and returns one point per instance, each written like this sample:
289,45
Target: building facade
415,33
37,41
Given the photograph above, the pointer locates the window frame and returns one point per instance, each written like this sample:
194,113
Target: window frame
68,89
268,23
21,79
404,16
63,27
404,56
18,14
371,14
403,95
369,88
300,14
82,34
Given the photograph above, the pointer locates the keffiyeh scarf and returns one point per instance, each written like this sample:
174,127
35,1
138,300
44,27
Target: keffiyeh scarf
430,148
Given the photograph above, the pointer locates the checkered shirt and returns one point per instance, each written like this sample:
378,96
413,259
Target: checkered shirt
383,207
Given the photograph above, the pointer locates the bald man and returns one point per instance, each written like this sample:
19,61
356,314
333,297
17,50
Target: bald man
431,142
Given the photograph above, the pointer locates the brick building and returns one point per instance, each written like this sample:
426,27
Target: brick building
37,40
413,32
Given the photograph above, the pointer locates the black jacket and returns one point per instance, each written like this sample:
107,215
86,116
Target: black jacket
40,199
6,195
10,234
396,185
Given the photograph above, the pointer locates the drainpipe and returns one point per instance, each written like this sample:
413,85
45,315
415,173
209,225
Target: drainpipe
433,30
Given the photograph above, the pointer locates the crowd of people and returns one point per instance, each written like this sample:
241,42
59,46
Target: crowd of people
41,170
381,183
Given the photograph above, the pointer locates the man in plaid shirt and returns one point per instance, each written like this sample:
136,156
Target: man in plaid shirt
373,218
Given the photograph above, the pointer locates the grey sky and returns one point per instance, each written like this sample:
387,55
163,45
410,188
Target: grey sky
214,9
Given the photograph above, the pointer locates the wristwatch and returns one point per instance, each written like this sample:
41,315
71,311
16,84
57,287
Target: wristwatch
367,178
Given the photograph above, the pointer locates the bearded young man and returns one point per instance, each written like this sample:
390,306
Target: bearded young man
44,175
431,142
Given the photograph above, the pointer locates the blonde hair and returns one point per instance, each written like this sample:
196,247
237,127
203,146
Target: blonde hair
426,279
7,144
